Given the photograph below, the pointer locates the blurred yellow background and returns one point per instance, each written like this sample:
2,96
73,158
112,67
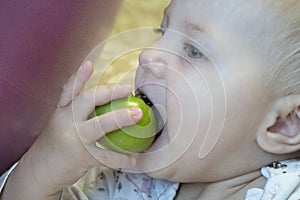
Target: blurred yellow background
140,13
133,30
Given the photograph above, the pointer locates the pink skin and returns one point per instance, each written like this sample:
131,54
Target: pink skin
207,73
214,99
66,148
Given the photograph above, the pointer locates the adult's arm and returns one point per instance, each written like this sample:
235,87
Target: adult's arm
41,44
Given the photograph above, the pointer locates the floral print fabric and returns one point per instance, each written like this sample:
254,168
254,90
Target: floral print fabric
104,183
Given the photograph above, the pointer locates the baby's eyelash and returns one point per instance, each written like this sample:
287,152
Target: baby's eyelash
193,52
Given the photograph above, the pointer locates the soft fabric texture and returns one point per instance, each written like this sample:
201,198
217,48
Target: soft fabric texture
4,177
283,183
105,183
42,44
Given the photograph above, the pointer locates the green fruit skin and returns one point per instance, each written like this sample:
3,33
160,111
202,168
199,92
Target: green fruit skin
130,139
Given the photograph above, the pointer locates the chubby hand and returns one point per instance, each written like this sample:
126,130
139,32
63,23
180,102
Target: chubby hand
66,148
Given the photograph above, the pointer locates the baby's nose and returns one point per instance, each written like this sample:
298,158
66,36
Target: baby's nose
153,61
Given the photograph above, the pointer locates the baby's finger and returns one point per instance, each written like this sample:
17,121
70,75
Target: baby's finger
109,158
93,129
85,103
75,84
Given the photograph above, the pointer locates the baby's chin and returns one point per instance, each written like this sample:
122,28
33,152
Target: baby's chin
157,160
169,173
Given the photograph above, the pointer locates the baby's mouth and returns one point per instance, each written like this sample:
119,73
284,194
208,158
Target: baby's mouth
159,120
144,98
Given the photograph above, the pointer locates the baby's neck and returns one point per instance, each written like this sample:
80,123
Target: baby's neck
230,189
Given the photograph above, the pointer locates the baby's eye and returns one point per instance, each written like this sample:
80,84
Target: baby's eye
193,52
160,31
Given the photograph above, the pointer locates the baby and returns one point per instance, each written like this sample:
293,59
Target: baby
227,75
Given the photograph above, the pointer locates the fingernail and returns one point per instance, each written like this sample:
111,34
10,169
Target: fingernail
85,65
136,114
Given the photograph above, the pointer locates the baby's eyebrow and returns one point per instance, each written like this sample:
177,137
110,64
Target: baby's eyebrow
197,28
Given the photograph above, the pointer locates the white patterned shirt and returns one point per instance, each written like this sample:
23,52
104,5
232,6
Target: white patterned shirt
283,183
105,183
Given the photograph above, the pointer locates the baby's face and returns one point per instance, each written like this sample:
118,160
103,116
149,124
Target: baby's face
206,74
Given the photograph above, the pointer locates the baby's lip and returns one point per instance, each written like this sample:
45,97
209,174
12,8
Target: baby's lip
161,138
159,118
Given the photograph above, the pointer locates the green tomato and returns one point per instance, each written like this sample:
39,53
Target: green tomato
130,139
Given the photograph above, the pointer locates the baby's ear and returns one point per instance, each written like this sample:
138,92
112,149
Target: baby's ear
280,132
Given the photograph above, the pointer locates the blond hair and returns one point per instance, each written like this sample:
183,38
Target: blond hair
284,74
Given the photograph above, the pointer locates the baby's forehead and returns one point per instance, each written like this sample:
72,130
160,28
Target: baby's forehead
219,10
237,17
